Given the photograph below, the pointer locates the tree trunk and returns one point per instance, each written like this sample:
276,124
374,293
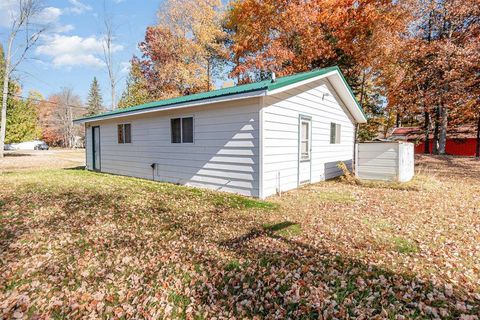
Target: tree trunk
362,93
436,130
398,121
477,154
6,79
114,102
443,131
427,133
208,74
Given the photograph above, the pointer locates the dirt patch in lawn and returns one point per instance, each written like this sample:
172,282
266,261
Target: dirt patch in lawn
78,244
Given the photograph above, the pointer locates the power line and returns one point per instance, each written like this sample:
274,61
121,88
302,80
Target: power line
46,101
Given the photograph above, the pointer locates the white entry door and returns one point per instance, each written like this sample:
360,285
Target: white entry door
304,150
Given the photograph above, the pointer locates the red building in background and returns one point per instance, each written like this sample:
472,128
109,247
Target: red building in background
461,141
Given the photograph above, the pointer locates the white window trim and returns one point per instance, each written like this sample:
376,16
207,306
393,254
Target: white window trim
338,133
181,130
123,132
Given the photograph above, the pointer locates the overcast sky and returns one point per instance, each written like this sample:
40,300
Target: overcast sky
70,54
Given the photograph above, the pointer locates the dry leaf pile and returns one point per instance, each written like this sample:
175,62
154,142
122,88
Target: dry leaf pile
78,244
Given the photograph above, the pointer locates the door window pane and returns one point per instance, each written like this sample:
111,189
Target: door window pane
187,130
176,130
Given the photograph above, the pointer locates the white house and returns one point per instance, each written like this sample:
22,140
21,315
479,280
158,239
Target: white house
255,139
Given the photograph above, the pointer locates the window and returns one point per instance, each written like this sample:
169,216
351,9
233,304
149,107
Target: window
176,130
182,130
124,133
305,140
335,133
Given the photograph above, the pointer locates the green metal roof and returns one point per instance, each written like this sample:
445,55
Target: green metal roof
267,85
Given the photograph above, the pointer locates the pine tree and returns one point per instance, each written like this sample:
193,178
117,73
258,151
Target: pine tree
136,91
95,100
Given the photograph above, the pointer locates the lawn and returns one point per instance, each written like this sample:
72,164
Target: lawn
81,244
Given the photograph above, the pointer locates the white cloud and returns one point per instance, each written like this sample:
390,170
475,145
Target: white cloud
118,1
69,51
78,7
63,28
125,67
49,16
7,10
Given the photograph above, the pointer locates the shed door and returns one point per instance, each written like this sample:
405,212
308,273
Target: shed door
304,150
96,148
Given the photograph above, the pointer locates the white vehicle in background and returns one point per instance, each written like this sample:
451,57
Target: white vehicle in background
28,145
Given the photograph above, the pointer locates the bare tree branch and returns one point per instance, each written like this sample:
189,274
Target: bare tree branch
21,23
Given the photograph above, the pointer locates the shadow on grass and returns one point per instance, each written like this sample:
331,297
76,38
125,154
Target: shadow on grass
269,276
77,168
314,282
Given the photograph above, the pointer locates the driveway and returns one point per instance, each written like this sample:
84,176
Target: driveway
37,159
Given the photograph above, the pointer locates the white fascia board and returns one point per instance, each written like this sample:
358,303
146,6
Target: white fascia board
344,92
340,86
300,83
190,104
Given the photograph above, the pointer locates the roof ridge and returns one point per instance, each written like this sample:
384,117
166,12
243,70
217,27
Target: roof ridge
223,92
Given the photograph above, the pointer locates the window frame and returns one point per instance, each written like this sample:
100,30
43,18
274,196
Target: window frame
336,129
181,129
124,133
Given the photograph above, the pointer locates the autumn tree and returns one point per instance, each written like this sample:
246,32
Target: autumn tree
434,73
49,121
287,37
179,52
136,91
56,115
95,100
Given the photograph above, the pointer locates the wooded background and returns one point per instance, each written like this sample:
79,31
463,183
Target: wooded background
409,62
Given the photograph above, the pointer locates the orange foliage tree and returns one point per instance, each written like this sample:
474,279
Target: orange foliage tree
181,52
435,68
286,37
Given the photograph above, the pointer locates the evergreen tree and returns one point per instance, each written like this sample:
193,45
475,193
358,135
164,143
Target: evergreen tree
136,91
22,120
95,100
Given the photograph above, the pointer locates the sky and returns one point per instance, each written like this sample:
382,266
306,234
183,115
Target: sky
70,53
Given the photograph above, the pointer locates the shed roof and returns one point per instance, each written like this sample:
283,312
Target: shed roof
265,85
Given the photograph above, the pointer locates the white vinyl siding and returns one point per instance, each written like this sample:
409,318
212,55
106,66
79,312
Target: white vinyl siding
224,156
281,112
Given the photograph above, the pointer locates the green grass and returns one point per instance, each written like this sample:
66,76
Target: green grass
403,245
284,229
335,196
418,183
157,246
